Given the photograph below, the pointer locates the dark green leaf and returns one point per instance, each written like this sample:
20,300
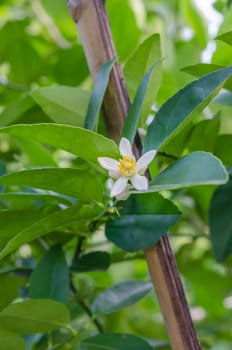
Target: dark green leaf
225,37
223,149
97,96
71,182
204,135
178,110
119,296
34,316
10,290
63,104
50,279
132,120
145,218
94,261
114,341
220,221
197,168
83,143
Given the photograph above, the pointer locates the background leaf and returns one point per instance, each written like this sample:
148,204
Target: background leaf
119,296
34,316
12,342
94,261
50,278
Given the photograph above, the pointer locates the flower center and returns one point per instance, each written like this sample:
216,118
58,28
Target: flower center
127,166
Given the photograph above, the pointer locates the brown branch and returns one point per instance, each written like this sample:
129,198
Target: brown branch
95,34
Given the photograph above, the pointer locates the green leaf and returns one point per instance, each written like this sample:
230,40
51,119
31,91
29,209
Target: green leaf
204,135
37,154
15,110
132,120
12,342
17,233
50,279
71,182
200,69
55,198
220,221
197,168
225,37
83,143
224,98
112,341
34,316
119,296
179,109
147,53
145,218
97,95
10,291
223,149
63,104
94,261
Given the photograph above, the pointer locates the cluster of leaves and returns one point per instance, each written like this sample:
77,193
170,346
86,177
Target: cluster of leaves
54,201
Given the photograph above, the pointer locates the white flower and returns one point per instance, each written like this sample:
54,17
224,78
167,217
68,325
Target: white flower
127,169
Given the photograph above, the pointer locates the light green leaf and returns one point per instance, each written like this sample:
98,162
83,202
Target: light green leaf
220,221
17,233
15,110
34,316
197,168
83,143
55,198
119,296
179,109
63,104
97,95
37,154
132,120
112,341
71,182
10,291
145,217
147,53
50,278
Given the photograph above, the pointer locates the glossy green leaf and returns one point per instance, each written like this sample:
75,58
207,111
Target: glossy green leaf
145,217
50,278
197,168
83,143
34,316
220,221
17,233
12,342
97,95
119,296
63,104
223,149
94,261
179,109
132,120
22,196
225,37
71,182
139,62
200,69
224,98
114,341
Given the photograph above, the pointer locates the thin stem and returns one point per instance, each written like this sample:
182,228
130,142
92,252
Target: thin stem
168,155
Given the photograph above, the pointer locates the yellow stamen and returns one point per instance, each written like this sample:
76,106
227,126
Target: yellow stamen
127,166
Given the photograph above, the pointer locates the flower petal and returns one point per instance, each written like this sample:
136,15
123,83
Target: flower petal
145,160
108,163
139,182
119,186
124,195
125,148
114,174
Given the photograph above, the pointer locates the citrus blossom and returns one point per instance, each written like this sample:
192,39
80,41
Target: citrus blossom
127,171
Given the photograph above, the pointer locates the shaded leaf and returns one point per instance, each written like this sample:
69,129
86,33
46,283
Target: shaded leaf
94,261
225,37
119,296
179,109
220,221
112,341
197,168
50,278
12,342
223,149
97,95
145,218
34,316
